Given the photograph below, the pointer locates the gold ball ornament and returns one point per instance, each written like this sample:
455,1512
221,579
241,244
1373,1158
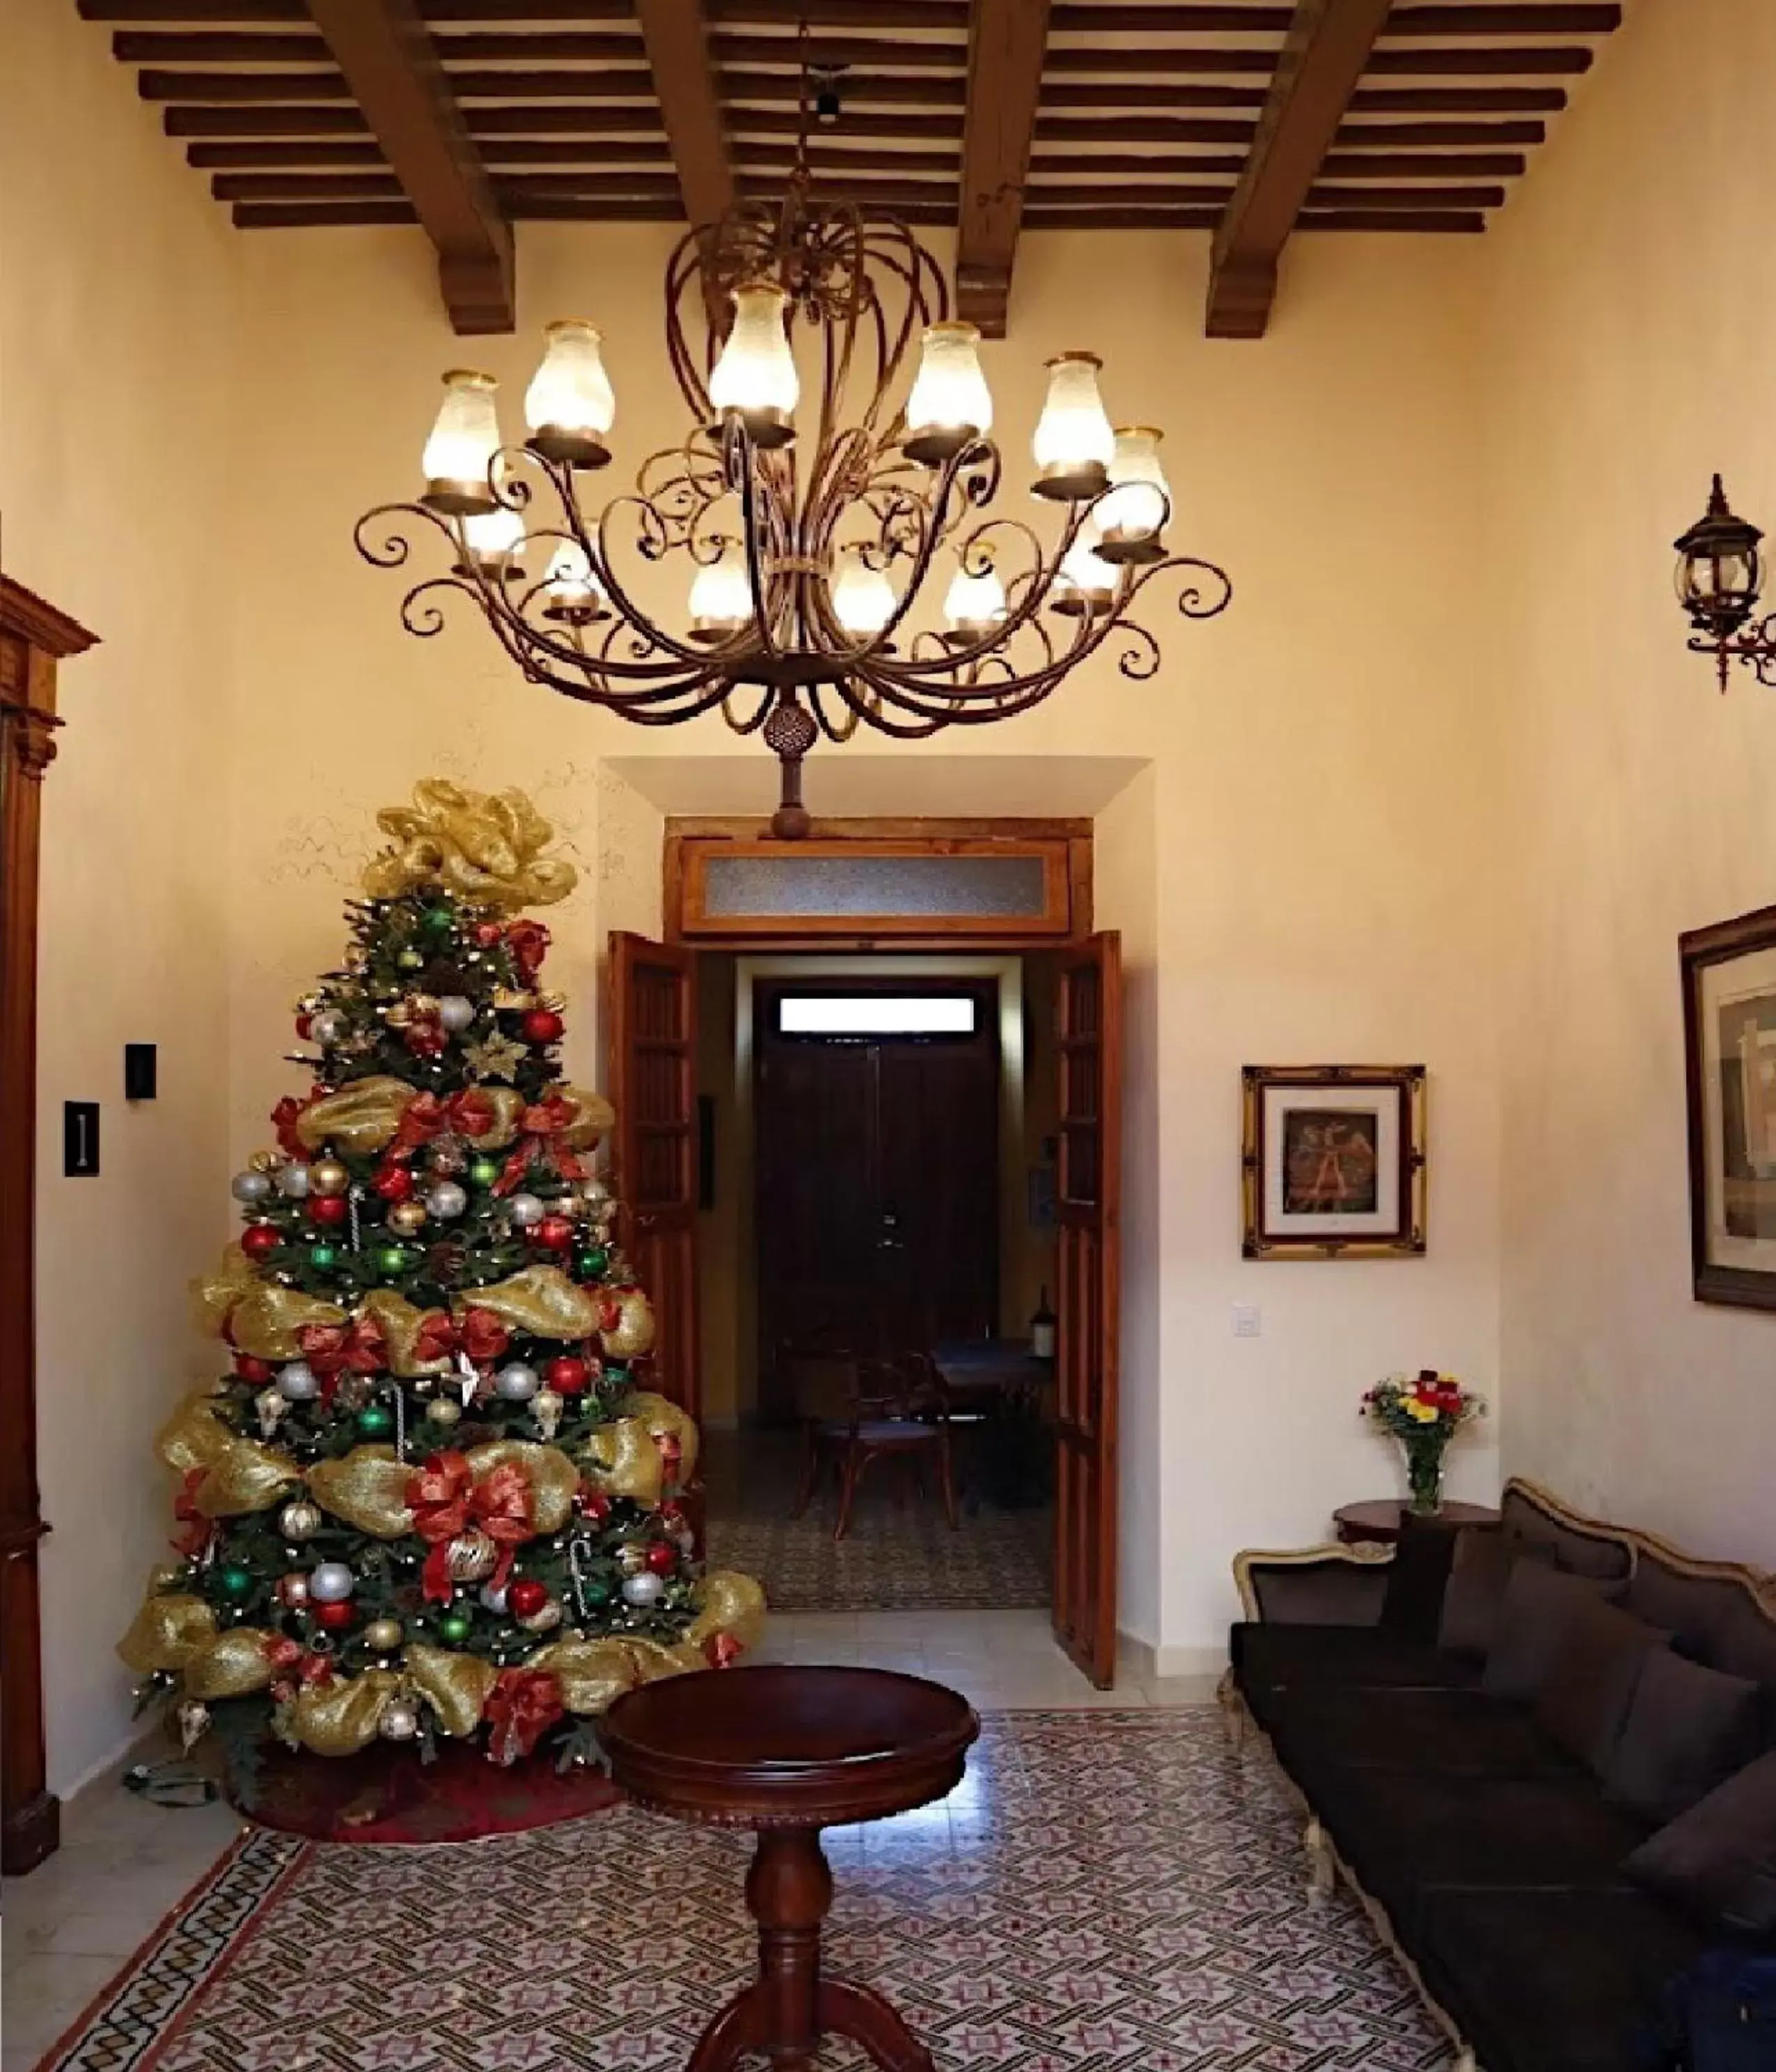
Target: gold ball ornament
300,1520
328,1176
632,1557
409,1217
383,1634
423,1006
471,1556
443,1411
545,1619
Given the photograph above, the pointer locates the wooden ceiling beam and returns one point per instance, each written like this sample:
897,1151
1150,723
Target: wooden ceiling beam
1325,53
1006,42
385,52
1512,18
677,42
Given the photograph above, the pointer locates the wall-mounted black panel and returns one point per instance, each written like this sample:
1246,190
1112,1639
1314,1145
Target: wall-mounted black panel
79,1138
141,1072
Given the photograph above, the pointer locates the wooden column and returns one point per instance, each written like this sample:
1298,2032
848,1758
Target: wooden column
34,637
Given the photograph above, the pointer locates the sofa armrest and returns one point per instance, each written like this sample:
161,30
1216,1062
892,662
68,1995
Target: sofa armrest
1330,1585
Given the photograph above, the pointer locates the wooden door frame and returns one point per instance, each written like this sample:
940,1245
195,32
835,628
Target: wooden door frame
34,637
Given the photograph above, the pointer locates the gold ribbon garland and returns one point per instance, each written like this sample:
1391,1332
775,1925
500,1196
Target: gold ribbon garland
486,847
239,1476
260,1316
455,1685
341,1715
663,1419
540,1300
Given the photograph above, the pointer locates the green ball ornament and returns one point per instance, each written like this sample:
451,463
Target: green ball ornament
437,920
392,1259
484,1171
590,1264
454,1627
411,961
323,1256
235,1584
376,1420
594,1591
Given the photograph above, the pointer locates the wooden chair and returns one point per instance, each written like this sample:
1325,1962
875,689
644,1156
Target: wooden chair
858,1411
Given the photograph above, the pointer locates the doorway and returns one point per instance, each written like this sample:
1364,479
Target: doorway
857,1236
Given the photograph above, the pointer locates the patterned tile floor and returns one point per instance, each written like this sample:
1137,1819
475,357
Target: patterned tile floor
893,1559
1108,1891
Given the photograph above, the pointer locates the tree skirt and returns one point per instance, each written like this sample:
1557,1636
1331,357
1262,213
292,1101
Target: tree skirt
385,1794
1104,1892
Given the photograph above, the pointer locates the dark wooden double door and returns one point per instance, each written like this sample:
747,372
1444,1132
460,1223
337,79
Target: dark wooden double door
877,1184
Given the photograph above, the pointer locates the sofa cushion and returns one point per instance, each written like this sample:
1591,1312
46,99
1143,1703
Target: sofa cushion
1540,1604
1686,1729
1268,1660
1460,1732
1584,1697
1418,1576
1597,1551
1479,1569
1717,1617
1407,1833
1553,1981
1718,1860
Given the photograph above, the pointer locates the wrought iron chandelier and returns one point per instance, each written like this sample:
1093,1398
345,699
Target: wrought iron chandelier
1720,576
811,542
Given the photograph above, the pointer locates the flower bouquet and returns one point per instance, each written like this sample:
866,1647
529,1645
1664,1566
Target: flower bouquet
1424,1411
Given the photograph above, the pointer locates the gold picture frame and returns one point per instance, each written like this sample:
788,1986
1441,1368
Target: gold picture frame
1333,1161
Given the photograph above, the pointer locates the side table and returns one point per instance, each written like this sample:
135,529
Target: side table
1379,1520
787,1751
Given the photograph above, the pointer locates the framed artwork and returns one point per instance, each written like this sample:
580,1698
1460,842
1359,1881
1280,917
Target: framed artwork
1730,1048
1333,1161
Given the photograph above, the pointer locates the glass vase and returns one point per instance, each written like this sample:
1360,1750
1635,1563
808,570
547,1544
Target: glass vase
1425,1474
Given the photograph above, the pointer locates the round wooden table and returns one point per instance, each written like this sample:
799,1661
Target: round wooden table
787,1751
1379,1519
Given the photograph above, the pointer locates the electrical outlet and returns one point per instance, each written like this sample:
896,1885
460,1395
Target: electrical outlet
1248,1321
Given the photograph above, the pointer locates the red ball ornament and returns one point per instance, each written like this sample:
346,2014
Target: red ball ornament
328,1210
487,933
334,1617
567,1375
394,1183
425,1039
526,1598
592,1503
260,1240
542,1025
250,1369
305,1027
662,1557
553,1234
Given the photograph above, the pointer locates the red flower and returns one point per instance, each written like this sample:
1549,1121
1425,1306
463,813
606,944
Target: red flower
528,943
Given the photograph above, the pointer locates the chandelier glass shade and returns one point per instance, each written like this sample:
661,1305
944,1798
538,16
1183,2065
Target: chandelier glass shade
834,482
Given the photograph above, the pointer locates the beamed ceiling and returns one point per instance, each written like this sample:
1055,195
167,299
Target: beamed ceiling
1249,123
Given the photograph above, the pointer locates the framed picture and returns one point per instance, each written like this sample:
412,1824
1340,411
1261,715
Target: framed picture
1729,1049
1333,1160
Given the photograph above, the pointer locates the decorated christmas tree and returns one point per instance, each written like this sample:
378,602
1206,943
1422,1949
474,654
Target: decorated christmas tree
433,1496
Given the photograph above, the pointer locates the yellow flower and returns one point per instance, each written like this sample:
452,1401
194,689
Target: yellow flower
1423,1413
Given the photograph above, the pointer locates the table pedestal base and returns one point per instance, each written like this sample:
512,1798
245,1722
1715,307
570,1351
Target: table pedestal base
790,2007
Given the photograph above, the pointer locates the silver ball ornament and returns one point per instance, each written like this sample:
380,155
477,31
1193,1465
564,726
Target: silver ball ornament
398,1722
525,1210
455,1013
447,1201
517,1383
493,1599
249,1186
300,1520
293,1182
330,1583
328,1026
298,1383
643,1590
593,1193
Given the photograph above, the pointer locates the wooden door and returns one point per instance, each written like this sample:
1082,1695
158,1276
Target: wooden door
652,1081
1088,1269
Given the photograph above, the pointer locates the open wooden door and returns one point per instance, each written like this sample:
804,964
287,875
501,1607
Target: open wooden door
652,1085
1089,1268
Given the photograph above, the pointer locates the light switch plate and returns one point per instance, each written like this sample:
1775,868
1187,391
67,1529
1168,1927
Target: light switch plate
1248,1321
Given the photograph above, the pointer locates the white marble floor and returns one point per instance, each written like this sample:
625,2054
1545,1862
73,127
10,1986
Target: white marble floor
124,1864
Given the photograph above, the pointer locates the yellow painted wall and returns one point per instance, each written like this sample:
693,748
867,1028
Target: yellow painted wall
1630,353
119,476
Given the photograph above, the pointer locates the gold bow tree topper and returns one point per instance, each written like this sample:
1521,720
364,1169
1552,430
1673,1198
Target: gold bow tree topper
427,1490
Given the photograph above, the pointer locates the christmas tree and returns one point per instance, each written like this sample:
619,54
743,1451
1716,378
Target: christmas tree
430,1498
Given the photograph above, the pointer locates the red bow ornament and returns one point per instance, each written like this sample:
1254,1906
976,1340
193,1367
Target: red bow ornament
331,1350
542,1121
445,1499
528,943
478,1334
469,1113
285,1117
199,1530
521,1705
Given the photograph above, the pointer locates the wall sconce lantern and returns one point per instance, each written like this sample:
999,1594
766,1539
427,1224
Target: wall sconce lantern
1719,574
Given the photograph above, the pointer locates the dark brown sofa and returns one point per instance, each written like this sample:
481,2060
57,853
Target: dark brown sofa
1492,1853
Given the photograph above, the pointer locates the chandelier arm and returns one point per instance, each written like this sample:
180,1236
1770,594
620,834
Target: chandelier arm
871,711
1036,583
932,530
736,440
592,684
395,551
684,267
837,730
1193,601
750,724
506,617
599,554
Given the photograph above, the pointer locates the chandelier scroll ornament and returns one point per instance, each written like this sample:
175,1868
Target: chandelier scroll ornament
815,529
